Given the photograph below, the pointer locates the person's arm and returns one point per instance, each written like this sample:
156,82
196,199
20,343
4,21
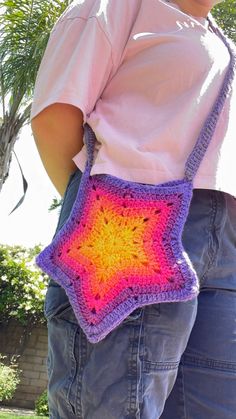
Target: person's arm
58,133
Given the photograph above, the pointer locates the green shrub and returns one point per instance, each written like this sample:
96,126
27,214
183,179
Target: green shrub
9,379
41,404
22,285
225,15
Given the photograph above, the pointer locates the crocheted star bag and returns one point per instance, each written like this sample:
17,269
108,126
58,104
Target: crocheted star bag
121,246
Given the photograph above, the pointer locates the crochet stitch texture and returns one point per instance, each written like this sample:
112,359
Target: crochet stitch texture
121,247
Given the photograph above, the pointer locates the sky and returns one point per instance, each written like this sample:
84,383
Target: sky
31,223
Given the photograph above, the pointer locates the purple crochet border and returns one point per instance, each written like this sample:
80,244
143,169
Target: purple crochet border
119,313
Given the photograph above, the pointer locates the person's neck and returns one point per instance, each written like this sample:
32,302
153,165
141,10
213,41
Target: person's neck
192,8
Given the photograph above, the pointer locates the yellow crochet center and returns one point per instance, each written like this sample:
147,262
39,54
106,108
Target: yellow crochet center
115,243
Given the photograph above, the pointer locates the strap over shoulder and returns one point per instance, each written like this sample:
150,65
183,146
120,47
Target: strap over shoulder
196,156
207,131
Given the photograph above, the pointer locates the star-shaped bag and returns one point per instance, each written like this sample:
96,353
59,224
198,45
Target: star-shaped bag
121,247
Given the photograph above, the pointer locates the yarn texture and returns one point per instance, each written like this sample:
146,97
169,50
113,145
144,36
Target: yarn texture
121,247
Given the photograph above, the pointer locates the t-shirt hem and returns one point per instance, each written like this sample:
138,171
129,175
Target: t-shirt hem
37,108
150,176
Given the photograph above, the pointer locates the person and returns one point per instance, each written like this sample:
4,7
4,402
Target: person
144,75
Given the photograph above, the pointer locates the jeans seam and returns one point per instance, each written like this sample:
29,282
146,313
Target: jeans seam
196,362
218,220
212,239
133,370
141,347
212,235
183,391
150,366
82,362
71,345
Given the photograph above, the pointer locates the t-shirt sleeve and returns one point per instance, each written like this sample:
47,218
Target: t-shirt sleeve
76,65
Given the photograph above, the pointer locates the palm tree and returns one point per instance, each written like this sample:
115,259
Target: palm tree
25,26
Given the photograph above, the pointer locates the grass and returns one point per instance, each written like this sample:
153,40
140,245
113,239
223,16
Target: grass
14,416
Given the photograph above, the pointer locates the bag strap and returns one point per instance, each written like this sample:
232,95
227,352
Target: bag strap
207,131
89,141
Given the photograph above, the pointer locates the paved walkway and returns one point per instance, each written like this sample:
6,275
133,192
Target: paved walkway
16,411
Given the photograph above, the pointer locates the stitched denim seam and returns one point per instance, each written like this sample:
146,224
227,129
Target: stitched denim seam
221,220
150,366
141,350
212,235
133,370
212,239
81,365
209,363
71,345
182,391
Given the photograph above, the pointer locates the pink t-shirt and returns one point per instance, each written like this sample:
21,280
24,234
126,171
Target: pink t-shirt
145,75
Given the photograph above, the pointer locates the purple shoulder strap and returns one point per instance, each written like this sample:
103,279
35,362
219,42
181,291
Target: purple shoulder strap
207,131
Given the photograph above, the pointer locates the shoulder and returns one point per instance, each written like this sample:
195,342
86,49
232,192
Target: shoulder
88,8
111,19
110,14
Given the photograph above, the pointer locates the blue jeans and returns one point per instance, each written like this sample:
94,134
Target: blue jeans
169,360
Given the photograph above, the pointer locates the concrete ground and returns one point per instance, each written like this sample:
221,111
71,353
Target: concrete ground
16,411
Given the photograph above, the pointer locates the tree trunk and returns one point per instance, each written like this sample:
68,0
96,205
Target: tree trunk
8,136
9,132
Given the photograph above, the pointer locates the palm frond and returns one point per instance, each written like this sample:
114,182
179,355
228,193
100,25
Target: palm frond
25,26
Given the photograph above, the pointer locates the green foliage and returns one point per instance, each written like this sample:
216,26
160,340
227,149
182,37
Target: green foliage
56,203
225,15
22,285
13,416
41,404
9,379
25,26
